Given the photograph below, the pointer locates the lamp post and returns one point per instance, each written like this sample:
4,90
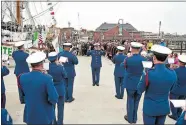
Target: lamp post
120,31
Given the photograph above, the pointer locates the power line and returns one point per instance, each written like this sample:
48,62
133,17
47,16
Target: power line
36,10
41,13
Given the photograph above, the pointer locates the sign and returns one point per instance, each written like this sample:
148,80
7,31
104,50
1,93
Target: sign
8,50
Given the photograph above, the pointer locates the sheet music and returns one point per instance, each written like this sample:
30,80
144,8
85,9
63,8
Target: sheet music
46,66
147,64
178,103
171,60
63,59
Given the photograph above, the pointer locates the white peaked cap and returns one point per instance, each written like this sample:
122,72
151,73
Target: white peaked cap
36,57
120,47
143,53
67,44
128,54
20,43
182,58
51,54
136,44
161,49
96,44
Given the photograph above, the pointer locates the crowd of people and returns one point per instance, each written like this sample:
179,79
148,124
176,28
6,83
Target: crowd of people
54,86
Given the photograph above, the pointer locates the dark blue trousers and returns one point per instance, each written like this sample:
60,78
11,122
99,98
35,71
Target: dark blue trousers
119,86
154,120
60,110
3,100
21,95
69,84
96,75
132,105
176,112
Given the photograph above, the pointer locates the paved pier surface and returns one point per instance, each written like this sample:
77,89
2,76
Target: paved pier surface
92,105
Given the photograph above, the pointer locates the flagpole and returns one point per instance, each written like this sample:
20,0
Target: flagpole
159,27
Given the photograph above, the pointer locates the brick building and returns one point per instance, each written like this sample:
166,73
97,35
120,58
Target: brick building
107,31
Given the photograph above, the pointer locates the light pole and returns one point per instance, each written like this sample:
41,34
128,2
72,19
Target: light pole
120,27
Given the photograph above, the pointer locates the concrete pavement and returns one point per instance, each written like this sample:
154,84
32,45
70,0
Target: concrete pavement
92,105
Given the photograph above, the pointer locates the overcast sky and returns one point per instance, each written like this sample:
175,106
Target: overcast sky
144,16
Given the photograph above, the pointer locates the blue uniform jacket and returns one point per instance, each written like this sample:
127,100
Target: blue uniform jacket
117,60
59,74
69,66
6,119
180,88
181,120
161,80
19,57
40,97
134,70
4,71
96,57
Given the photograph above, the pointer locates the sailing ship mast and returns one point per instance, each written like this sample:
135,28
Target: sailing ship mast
18,12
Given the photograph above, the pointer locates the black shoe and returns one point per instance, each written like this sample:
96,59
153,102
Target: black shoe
172,117
117,97
97,84
71,100
126,118
93,84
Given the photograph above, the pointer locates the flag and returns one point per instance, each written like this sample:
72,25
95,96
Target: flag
40,39
52,13
35,36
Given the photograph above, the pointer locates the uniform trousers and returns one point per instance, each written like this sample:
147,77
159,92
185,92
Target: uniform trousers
119,86
153,120
132,105
96,75
60,111
69,84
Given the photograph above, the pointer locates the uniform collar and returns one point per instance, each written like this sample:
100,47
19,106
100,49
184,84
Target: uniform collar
159,65
182,66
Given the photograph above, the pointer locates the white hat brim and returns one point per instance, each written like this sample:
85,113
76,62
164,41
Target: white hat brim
51,54
182,58
20,43
67,44
136,44
36,57
120,48
161,49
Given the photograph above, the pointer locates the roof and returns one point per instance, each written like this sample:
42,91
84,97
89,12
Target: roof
107,26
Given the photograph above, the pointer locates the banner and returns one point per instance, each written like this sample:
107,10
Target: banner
56,44
28,44
15,36
8,50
